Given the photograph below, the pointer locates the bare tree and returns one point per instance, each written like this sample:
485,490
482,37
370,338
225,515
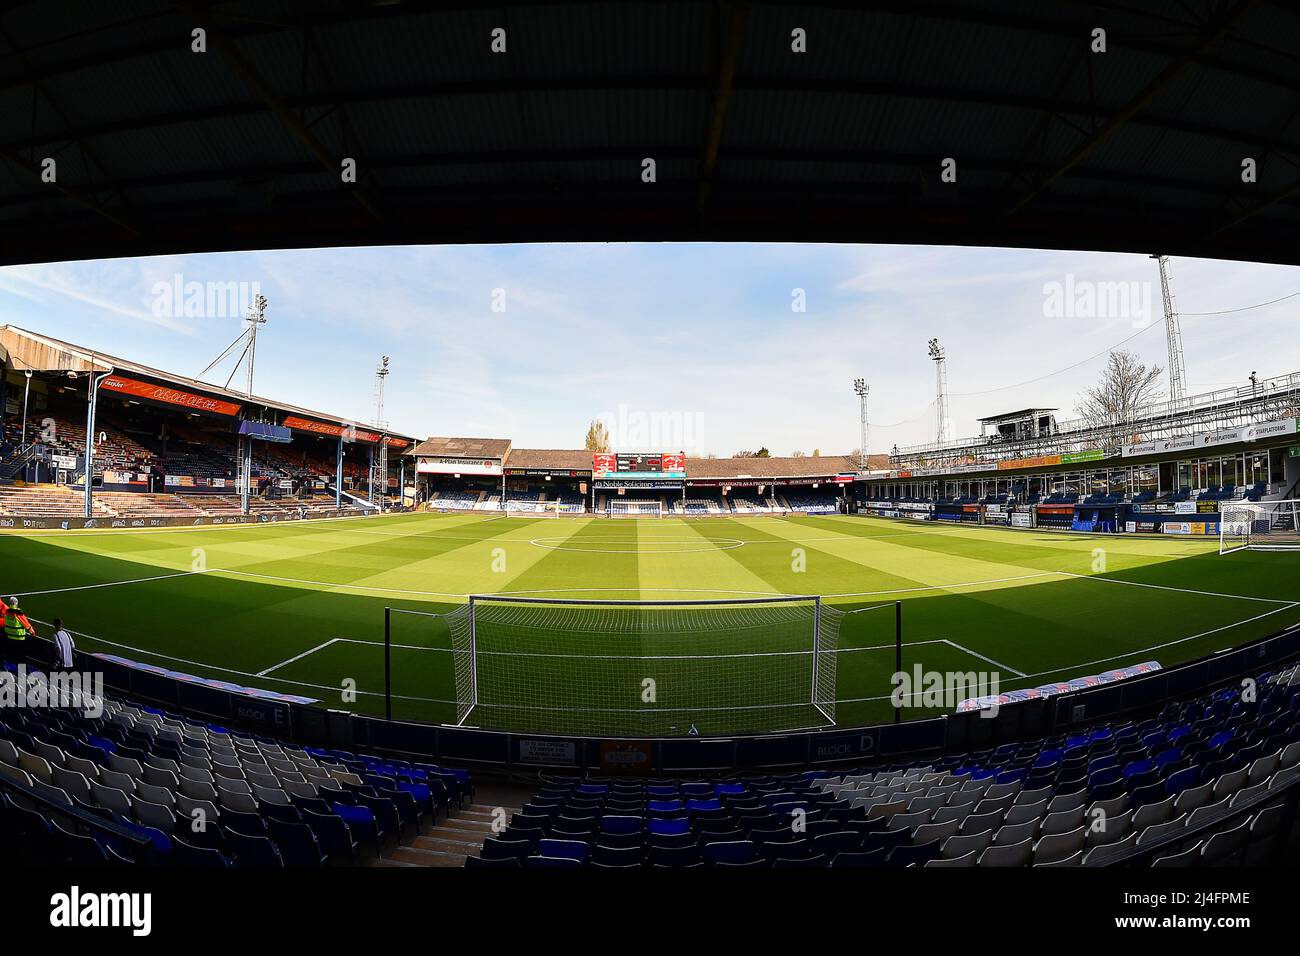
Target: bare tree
597,436
1126,389
796,454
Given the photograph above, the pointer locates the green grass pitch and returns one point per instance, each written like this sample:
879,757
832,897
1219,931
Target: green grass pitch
299,607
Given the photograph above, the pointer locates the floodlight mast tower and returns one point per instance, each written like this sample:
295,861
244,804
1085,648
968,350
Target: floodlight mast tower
256,319
1173,337
861,388
379,459
940,359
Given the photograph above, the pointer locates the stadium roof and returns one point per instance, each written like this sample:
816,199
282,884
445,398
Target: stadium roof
578,459
43,353
463,448
805,466
159,149
1013,415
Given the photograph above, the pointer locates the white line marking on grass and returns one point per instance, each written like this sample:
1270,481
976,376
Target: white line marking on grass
333,586
627,590
1157,647
230,670
944,587
298,657
650,657
987,660
107,584
1169,587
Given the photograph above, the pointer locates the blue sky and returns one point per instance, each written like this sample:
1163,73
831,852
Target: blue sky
700,341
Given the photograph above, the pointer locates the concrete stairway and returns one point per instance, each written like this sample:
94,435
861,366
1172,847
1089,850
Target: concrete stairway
462,834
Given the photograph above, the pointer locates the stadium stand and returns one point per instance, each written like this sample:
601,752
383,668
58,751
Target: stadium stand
53,500
140,505
1212,780
125,787
698,506
458,500
811,502
571,504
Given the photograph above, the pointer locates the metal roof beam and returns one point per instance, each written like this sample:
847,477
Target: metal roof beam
246,72
1215,31
550,85
731,20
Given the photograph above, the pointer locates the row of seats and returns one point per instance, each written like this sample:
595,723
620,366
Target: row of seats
199,794
1085,798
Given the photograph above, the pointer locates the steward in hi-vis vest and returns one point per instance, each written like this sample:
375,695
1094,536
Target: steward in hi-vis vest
16,629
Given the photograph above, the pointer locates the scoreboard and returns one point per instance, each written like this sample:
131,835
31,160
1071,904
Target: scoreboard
649,465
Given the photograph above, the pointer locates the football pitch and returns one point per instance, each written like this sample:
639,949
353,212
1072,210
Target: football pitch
299,607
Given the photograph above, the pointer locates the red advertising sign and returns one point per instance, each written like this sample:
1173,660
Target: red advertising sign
168,396
674,462
603,463
336,431
397,443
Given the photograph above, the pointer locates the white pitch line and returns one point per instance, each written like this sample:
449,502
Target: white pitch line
297,657
987,660
627,590
333,585
107,584
1169,587
944,587
230,670
1157,647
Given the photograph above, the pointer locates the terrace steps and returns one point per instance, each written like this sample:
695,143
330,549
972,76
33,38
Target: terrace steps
449,842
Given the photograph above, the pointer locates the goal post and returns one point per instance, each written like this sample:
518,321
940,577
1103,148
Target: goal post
645,668
1260,526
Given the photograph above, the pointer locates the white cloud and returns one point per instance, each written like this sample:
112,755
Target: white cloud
699,329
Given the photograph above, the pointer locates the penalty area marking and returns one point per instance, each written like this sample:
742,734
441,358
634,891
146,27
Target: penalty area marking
298,657
108,584
987,660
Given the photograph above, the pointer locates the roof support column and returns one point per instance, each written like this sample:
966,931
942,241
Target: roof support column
338,477
92,398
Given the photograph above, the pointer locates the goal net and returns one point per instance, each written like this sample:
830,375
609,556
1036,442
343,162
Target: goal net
635,509
645,668
1260,526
